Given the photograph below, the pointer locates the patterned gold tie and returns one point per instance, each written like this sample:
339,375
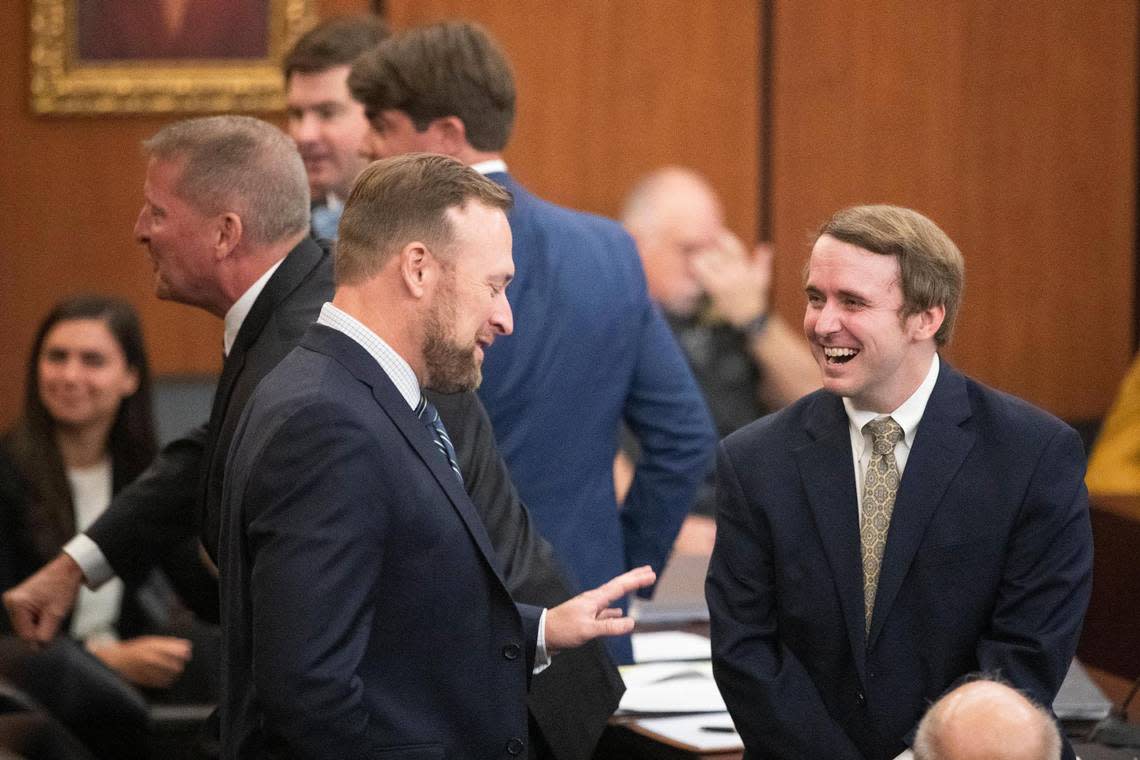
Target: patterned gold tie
879,488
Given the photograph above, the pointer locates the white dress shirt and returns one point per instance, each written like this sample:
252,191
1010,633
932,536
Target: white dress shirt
96,612
490,166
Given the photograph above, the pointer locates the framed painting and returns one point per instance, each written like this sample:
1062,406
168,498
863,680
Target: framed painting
156,56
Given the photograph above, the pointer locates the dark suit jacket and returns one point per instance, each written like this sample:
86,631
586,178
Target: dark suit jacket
591,351
570,701
179,494
362,611
987,567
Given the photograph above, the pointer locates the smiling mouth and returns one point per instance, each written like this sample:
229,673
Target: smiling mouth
837,355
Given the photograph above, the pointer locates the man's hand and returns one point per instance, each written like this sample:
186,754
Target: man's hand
151,661
37,605
737,284
589,616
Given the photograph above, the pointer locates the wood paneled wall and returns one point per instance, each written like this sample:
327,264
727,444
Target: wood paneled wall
608,91
611,89
70,189
1013,125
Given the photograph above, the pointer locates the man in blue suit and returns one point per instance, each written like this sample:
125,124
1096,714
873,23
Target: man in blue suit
363,613
903,527
593,350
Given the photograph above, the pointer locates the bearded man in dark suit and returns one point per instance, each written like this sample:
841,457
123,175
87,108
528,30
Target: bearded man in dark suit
226,224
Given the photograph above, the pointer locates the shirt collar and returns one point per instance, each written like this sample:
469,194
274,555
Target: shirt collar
237,313
333,201
492,166
907,415
394,366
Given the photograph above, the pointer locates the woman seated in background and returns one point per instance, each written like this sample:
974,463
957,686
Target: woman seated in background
86,431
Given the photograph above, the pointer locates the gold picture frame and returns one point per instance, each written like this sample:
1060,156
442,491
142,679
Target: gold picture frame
64,82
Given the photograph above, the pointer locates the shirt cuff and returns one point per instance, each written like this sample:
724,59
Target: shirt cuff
96,569
541,658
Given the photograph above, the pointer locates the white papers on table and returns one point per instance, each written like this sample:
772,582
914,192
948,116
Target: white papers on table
712,732
670,645
670,687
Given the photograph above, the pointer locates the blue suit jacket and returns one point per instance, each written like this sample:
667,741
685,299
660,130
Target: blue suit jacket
362,612
589,351
987,567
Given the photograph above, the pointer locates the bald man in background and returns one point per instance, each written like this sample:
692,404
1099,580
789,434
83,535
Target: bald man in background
716,296
986,720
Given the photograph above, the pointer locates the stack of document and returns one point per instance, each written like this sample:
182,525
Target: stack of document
672,689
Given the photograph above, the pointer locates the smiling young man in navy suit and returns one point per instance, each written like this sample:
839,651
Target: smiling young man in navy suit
363,612
897,530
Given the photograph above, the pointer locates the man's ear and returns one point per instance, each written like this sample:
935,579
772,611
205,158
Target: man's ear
926,322
449,135
418,268
228,232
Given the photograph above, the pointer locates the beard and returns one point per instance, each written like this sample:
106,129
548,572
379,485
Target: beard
451,366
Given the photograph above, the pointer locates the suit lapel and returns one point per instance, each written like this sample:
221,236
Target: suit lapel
294,270
357,361
827,475
940,446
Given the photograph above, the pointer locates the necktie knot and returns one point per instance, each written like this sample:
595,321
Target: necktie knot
427,412
429,415
885,434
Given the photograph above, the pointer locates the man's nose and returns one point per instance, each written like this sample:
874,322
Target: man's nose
827,320
140,226
502,318
305,128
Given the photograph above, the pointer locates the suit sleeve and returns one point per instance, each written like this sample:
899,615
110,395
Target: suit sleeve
534,576
667,413
773,701
156,512
315,549
1047,577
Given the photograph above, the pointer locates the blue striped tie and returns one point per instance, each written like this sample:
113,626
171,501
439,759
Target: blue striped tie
429,415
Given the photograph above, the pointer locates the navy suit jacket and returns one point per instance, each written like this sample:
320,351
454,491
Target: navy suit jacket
987,567
589,351
362,609
180,496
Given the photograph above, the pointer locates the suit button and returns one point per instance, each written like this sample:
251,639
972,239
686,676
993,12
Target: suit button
861,699
511,652
515,746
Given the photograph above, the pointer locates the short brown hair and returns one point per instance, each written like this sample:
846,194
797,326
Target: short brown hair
335,42
238,164
932,270
448,69
404,199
